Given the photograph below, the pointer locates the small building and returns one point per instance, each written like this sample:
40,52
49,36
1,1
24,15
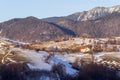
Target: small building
85,49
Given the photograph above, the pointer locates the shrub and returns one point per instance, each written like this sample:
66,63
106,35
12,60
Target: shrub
97,48
97,72
12,71
59,70
88,72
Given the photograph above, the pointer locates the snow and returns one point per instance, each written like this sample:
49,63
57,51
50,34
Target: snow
12,41
71,58
98,55
96,13
68,67
11,60
37,61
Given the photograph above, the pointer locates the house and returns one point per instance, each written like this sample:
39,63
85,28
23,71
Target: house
85,49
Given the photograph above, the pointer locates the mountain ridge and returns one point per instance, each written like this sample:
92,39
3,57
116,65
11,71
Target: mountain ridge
30,29
91,14
34,29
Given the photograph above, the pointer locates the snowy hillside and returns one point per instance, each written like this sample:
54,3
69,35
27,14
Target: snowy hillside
71,63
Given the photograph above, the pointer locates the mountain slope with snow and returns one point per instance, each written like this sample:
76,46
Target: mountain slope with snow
94,13
91,14
97,22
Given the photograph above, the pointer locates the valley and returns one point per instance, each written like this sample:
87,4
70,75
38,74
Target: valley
83,45
71,54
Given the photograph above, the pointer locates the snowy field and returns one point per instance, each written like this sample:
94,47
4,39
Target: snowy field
40,60
43,60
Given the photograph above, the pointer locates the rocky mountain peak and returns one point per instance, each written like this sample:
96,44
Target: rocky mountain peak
94,13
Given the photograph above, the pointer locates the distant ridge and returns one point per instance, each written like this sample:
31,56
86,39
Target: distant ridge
97,22
92,14
31,29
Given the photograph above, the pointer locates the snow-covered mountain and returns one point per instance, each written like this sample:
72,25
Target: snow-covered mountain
94,13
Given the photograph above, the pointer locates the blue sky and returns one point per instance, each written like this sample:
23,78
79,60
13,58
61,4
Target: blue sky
47,8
